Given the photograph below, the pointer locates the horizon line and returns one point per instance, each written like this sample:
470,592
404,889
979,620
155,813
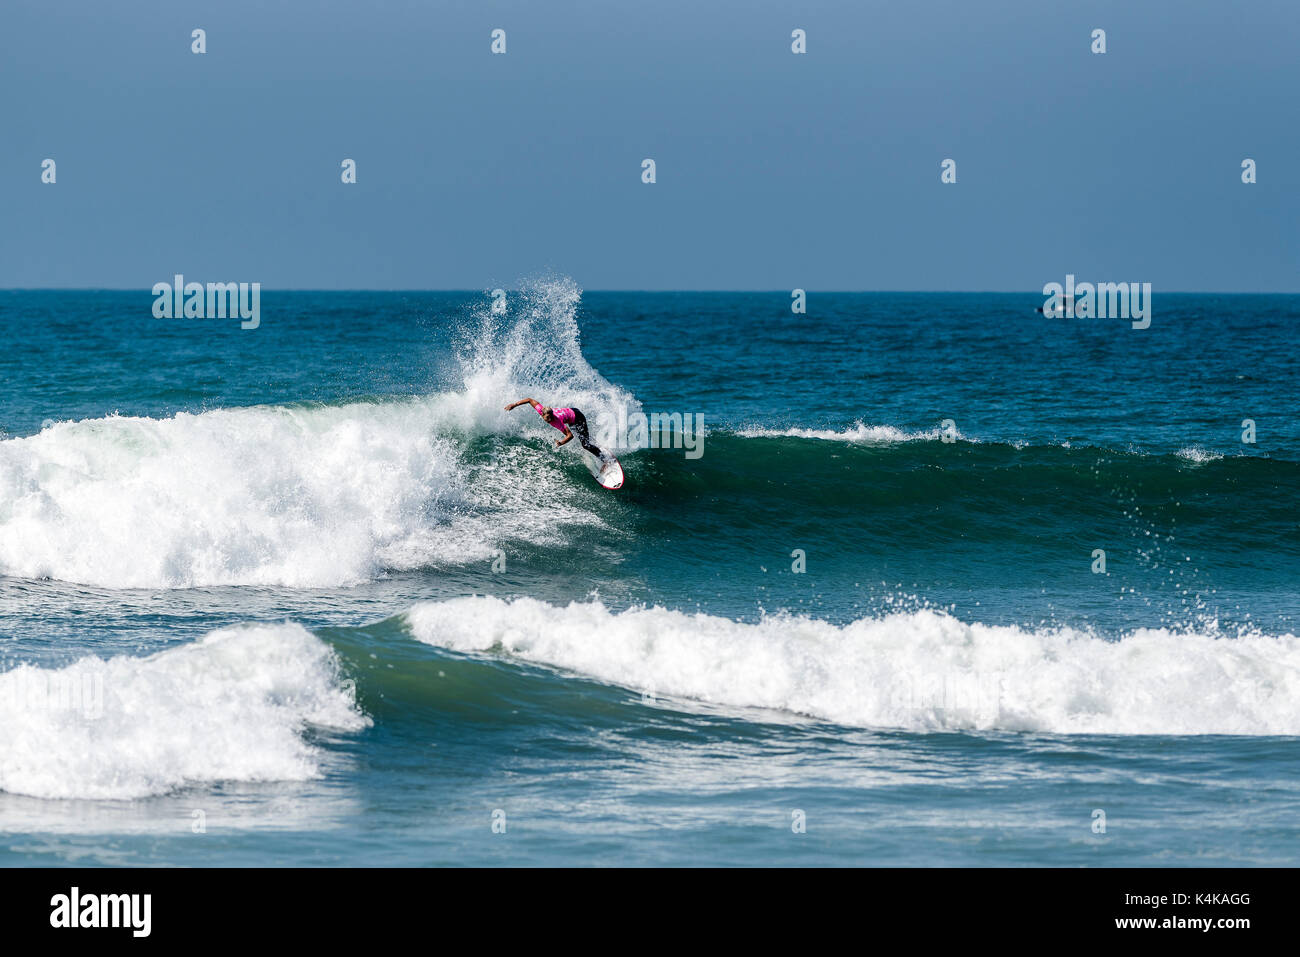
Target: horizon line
786,292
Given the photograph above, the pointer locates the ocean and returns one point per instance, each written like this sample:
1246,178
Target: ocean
930,579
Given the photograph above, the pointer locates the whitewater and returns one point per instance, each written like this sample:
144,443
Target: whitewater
237,705
309,495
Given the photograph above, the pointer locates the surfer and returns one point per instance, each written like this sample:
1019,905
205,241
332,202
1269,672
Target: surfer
569,421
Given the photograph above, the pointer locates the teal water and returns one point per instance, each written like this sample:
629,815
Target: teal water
307,594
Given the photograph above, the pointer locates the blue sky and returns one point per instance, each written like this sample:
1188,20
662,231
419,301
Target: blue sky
775,171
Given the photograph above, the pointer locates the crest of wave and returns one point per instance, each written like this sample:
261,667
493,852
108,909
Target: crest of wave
859,433
922,671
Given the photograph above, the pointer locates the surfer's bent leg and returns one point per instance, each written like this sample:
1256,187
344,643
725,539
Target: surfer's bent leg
579,429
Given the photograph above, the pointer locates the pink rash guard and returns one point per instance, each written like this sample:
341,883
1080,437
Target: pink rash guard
563,418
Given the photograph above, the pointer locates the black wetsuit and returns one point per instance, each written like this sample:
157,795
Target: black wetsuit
579,428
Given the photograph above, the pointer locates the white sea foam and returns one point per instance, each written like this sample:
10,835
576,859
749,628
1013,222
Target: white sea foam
858,433
923,670
312,496
231,707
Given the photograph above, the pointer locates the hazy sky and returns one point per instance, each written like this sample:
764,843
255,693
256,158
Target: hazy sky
775,170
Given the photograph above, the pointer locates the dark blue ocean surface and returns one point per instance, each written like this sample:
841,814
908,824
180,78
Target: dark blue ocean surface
938,580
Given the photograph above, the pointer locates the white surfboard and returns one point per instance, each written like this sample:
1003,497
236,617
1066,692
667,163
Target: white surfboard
608,473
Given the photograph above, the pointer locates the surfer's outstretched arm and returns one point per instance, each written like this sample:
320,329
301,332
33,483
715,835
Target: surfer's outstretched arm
514,405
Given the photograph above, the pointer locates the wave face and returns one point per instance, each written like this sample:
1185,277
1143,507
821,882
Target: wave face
233,706
312,496
983,513
920,671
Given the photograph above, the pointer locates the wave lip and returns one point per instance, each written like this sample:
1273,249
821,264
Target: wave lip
230,707
919,671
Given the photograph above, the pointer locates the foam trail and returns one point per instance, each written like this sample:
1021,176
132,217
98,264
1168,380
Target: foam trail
922,671
231,707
